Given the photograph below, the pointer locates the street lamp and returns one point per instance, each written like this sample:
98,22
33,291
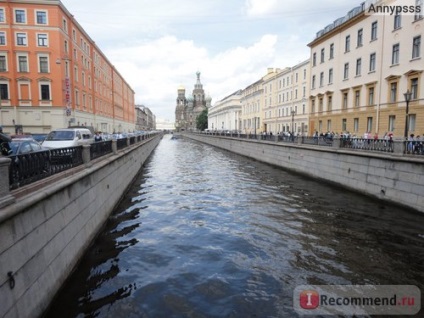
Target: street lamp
255,127
292,127
408,96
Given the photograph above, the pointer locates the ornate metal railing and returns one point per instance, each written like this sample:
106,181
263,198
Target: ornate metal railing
381,145
99,149
121,143
410,148
27,168
65,158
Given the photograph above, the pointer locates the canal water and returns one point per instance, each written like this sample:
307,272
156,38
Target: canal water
206,233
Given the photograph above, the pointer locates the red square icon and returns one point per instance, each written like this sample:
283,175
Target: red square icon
309,299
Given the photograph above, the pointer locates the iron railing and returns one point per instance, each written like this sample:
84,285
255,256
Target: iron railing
28,168
414,147
99,149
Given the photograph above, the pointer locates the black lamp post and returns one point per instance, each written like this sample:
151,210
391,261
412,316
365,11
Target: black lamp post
408,96
255,127
292,127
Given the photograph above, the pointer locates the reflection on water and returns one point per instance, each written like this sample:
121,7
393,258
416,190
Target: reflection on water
206,233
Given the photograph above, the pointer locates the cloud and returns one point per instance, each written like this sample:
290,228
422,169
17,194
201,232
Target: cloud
158,45
155,69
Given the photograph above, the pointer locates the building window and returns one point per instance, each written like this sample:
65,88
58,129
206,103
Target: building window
371,96
397,21
20,16
358,67
344,124
345,100
414,88
346,71
4,91
320,104
356,124
2,38
372,62
369,124
21,39
418,15
313,82
41,17
314,59
331,51
347,43
22,63
3,63
395,54
374,31
360,37
43,64
416,46
2,19
65,25
312,106
322,55
357,98
330,103
392,121
393,92
321,79
330,76
42,40
45,91
412,122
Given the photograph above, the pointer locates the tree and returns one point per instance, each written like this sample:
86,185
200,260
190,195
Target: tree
202,120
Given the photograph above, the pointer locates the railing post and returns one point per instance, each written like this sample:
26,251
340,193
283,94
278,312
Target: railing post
128,141
5,197
86,158
336,143
114,147
399,147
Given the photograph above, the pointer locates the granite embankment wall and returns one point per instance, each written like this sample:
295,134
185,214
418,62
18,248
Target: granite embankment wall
395,178
46,231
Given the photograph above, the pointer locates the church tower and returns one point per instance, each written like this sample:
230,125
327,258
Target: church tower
188,109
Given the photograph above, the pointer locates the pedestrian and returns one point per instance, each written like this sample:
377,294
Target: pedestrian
97,137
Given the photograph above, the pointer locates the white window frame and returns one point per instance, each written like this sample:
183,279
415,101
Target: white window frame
3,36
43,40
6,62
2,15
416,49
25,15
45,83
39,63
36,11
18,68
25,39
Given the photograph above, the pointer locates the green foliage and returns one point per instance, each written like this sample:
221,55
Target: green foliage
202,120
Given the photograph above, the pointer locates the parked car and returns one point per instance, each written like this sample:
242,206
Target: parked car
39,137
20,146
68,137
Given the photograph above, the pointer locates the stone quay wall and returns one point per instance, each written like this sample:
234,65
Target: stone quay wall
392,177
47,226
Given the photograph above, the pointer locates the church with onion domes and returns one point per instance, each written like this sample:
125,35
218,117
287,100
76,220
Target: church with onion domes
189,108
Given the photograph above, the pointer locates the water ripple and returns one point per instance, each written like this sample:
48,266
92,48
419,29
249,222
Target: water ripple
206,233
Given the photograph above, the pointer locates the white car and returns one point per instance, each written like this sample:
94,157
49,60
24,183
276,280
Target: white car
68,137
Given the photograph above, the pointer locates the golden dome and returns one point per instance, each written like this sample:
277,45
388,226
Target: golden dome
181,88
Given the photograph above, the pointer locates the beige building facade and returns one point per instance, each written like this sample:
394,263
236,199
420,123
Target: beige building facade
286,100
361,66
251,108
225,114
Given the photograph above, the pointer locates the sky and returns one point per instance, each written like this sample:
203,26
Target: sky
158,45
